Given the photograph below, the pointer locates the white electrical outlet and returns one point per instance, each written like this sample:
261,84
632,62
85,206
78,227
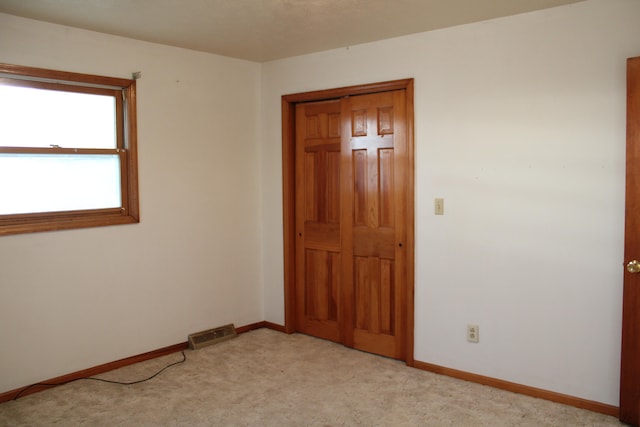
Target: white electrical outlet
473,333
438,206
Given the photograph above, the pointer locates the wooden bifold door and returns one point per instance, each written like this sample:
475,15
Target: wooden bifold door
349,222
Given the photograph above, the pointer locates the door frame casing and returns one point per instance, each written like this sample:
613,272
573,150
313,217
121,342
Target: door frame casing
289,186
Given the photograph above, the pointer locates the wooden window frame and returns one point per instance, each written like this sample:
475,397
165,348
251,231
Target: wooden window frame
124,91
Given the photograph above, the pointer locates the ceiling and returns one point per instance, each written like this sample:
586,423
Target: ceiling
264,30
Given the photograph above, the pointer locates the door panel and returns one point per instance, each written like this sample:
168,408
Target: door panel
318,218
630,362
374,284
374,200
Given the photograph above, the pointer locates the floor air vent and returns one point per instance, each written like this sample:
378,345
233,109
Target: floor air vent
211,336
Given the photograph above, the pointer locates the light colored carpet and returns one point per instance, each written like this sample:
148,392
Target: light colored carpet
266,378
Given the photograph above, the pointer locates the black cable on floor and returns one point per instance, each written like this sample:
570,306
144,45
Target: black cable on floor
184,359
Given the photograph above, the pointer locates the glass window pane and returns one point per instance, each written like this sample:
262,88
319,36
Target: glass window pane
31,117
34,183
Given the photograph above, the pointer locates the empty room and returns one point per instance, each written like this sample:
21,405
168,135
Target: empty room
412,212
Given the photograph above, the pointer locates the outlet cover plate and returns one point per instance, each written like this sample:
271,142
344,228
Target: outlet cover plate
473,333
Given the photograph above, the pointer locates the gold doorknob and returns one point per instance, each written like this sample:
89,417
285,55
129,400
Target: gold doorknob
633,266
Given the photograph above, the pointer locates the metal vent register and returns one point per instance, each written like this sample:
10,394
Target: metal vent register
211,336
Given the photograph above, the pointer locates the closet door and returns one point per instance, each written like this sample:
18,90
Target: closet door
318,247
351,212
374,203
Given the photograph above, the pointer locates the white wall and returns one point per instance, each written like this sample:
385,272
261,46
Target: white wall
520,126
70,300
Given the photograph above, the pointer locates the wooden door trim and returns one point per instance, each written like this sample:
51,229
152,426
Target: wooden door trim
288,190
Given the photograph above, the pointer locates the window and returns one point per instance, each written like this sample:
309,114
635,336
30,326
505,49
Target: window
68,155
